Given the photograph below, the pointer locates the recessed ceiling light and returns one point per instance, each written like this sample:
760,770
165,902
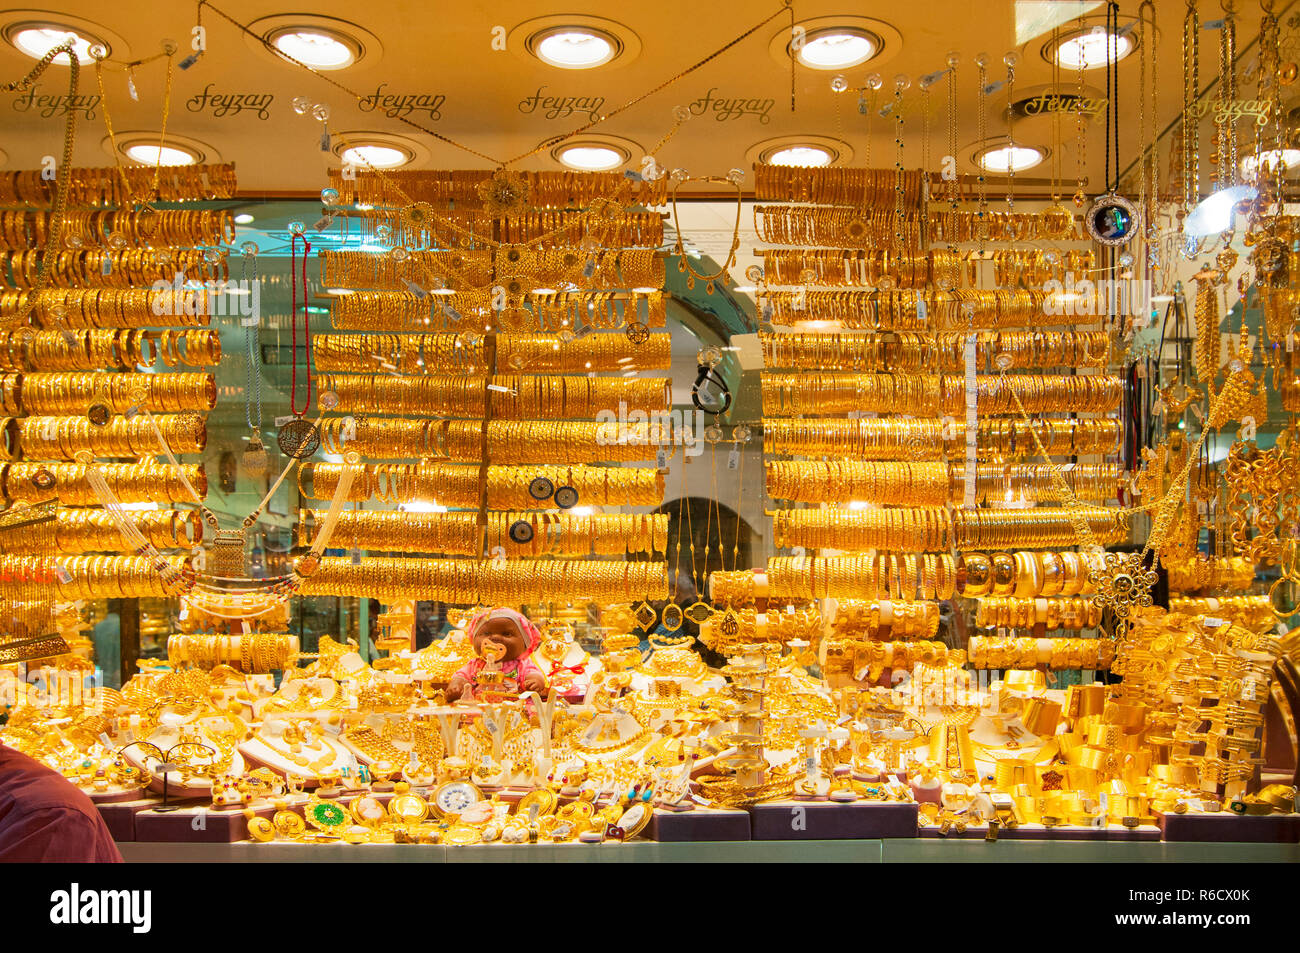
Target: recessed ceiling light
315,47
837,48
152,154
574,47
243,218
1284,160
378,157
1093,49
1009,158
800,155
590,157
37,39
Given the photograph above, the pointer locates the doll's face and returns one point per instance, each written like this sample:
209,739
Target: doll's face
504,633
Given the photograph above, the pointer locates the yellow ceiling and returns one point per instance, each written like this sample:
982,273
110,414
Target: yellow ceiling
445,50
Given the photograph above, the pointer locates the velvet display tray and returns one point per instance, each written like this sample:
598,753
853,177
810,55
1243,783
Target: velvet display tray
699,824
1229,827
827,820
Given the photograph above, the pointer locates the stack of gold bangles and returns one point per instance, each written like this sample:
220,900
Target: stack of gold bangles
62,438
823,225
885,438
507,486
919,310
70,393
436,353
90,577
853,656
98,227
517,397
130,482
76,531
825,185
899,577
1027,653
490,582
894,620
119,185
1023,574
526,311
915,484
944,351
468,270
1039,526
254,652
562,534
108,268
1052,224
538,441
1025,613
900,529
100,348
108,308
732,588
786,394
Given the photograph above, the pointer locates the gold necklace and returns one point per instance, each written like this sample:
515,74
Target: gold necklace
683,259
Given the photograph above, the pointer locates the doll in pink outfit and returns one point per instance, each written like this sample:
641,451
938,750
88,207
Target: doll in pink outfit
503,640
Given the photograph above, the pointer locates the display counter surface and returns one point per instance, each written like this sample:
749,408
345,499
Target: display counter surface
832,851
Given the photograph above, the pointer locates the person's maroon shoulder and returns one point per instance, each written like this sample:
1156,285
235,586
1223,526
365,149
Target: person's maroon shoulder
43,817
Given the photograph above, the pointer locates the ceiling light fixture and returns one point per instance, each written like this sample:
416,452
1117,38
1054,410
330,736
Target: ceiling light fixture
37,39
1092,49
150,153
837,48
375,156
320,49
591,157
574,47
800,155
1009,157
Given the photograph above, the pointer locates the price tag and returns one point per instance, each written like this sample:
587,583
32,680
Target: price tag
661,459
322,223
355,556
281,421
416,290
325,142
1290,341
65,577
733,460
1214,623
107,267
922,309
105,740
